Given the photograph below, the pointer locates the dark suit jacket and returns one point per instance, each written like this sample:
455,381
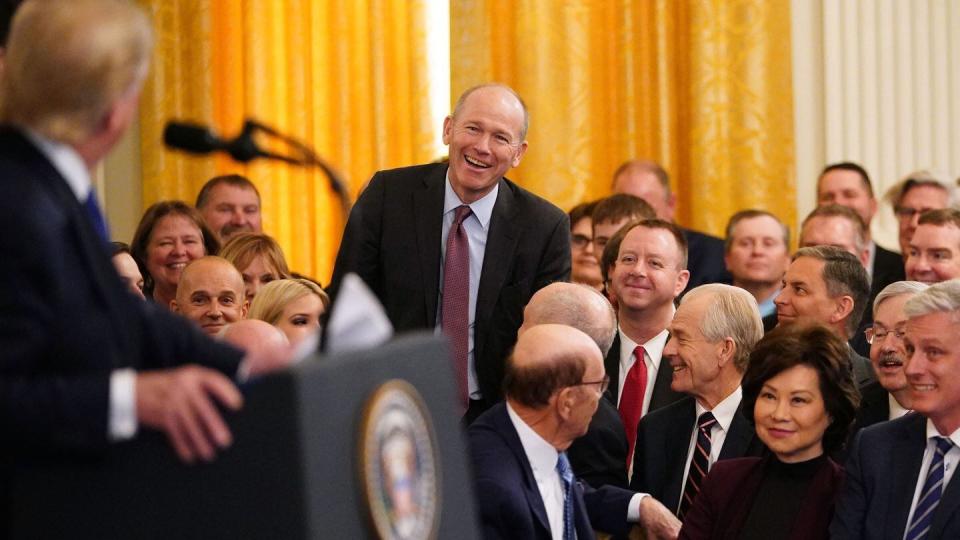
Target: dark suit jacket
66,320
509,500
883,466
874,406
663,440
862,369
662,394
599,458
705,259
887,268
392,241
724,503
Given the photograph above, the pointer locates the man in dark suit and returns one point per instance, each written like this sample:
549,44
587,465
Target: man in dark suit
508,242
901,480
828,285
848,184
647,274
711,336
85,363
887,398
649,181
553,383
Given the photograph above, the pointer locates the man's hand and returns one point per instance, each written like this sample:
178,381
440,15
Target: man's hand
181,403
657,521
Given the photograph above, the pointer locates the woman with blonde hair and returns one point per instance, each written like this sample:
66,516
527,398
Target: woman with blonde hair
259,259
295,306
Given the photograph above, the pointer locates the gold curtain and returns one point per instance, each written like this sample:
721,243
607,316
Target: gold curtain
701,86
347,77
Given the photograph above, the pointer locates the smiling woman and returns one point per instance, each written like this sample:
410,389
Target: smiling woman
800,387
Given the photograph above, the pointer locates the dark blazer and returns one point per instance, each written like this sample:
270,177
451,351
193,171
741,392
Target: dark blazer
724,503
705,259
510,503
599,458
887,268
392,241
663,440
883,466
66,320
862,369
662,394
874,407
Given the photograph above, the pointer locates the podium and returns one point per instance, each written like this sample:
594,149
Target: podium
360,445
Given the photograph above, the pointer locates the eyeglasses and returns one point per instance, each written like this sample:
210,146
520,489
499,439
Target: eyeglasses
905,212
580,241
604,383
875,334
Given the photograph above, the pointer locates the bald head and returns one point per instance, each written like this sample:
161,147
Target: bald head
211,294
254,336
575,305
548,358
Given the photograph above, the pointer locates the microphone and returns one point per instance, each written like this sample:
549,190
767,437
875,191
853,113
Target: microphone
192,138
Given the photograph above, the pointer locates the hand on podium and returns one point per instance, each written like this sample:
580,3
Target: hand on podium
181,403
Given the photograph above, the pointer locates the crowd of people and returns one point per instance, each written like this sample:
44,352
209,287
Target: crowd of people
614,370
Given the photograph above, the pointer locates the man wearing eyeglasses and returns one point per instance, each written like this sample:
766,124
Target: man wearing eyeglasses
888,397
918,192
711,336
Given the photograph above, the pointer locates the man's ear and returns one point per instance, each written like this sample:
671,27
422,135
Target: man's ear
566,400
844,308
727,351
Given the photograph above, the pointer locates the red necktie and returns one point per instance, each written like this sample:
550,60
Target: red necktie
455,308
631,400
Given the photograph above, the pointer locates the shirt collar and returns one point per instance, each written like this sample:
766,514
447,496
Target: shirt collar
653,348
932,432
725,410
541,454
482,208
66,161
896,409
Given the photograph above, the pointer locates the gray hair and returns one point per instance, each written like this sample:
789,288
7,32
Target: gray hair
732,312
897,288
895,194
943,297
576,305
844,275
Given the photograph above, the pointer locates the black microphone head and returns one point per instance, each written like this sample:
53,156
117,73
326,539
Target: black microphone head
191,137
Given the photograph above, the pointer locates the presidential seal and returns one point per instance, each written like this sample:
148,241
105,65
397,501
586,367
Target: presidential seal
398,464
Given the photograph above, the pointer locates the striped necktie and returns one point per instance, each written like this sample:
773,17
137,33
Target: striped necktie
699,462
930,495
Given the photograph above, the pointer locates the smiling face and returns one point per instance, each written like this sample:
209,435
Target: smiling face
934,253
174,241
211,295
790,414
258,273
301,318
933,368
694,360
485,141
231,209
889,354
647,274
804,296
847,188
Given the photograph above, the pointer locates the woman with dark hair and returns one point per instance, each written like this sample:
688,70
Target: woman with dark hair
127,268
800,387
170,234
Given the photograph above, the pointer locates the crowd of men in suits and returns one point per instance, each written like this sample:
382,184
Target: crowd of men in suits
584,400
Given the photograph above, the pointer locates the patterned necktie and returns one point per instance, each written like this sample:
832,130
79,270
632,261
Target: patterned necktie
699,462
566,474
631,400
930,495
96,216
455,308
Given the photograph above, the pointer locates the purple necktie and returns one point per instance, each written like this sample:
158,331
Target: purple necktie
455,310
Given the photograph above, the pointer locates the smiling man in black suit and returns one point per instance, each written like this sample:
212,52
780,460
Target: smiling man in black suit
457,245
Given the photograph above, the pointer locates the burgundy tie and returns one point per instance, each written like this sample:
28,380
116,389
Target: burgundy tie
631,400
455,312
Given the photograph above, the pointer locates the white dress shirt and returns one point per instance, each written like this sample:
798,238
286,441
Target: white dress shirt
652,354
896,409
723,413
477,226
950,460
122,413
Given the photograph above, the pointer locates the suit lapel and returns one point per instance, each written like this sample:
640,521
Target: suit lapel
908,449
530,490
947,510
738,440
428,212
501,243
612,364
676,454
580,518
662,394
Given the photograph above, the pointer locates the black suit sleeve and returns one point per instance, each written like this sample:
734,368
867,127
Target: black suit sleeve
556,260
360,246
852,502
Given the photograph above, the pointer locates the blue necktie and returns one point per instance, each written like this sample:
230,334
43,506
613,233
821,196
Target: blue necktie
96,216
930,495
566,474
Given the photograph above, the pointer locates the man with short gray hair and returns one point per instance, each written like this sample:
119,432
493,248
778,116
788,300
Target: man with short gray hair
901,480
916,193
711,336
